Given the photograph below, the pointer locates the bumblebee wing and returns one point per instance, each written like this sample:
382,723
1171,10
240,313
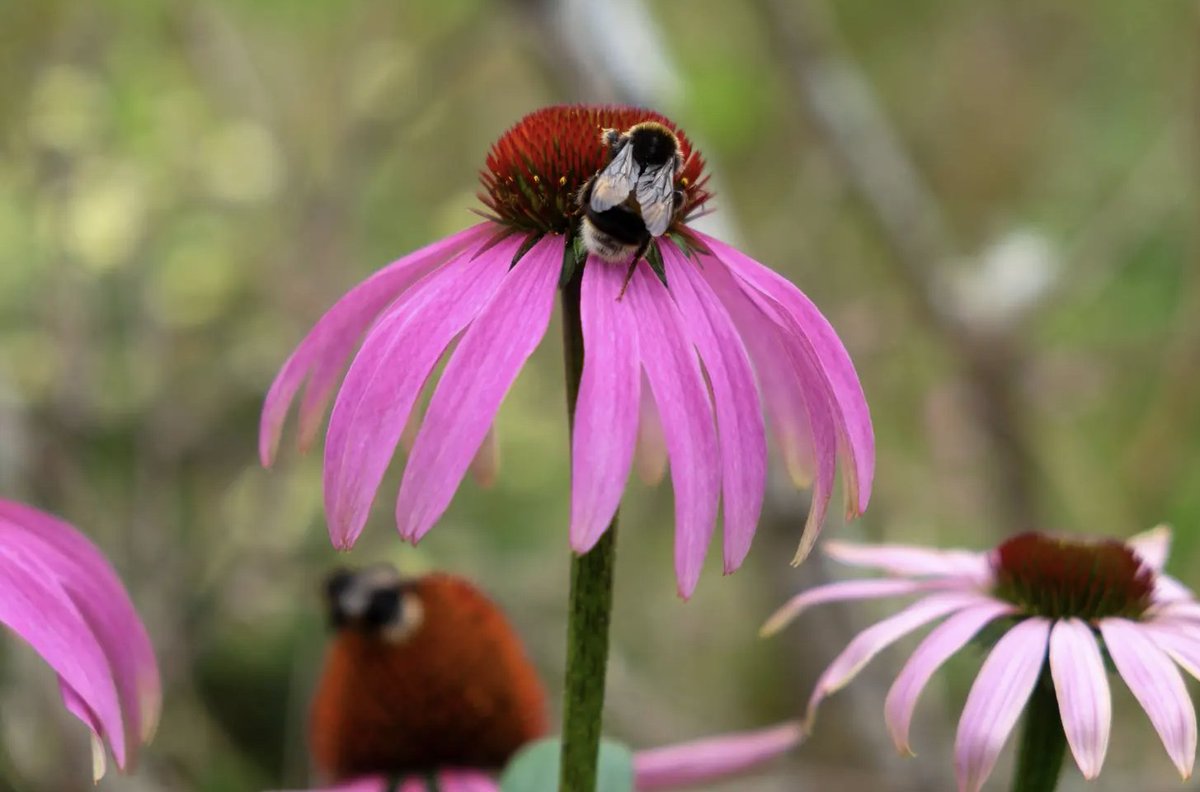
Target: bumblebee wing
616,181
656,197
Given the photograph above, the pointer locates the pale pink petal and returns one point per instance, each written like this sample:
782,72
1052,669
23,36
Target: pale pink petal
873,640
708,760
491,354
1081,684
1178,638
912,561
650,456
39,610
1152,546
854,424
942,643
758,319
1158,687
487,459
842,591
387,376
996,700
465,781
320,356
606,412
1181,610
1168,589
735,397
101,597
682,397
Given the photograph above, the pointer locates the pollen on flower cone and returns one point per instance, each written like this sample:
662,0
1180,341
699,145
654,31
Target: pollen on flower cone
458,692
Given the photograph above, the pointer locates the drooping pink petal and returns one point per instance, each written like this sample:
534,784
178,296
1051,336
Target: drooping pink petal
1158,687
37,608
708,760
1168,589
912,561
650,455
491,354
873,640
1178,610
1081,684
1178,638
682,397
1152,546
387,376
843,591
320,356
757,319
855,417
939,646
100,596
606,412
996,700
735,396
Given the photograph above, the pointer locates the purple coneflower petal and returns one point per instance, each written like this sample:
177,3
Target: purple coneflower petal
842,591
387,377
878,637
1158,687
38,609
1081,684
996,700
491,354
912,561
650,455
687,417
101,598
942,642
1180,639
1152,546
713,758
758,320
735,397
1168,589
854,424
606,412
320,356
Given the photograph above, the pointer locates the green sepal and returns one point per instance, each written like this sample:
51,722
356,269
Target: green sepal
655,260
536,768
526,246
574,255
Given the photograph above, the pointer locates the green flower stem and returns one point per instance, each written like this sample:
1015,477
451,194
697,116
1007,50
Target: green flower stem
590,603
1043,742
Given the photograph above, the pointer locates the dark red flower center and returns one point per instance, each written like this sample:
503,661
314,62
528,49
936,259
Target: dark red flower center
1061,578
535,170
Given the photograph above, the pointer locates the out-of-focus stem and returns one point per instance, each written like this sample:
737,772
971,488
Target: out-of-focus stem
1043,742
590,602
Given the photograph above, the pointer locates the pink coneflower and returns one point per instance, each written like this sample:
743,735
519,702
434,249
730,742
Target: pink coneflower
681,359
685,766
1063,607
62,597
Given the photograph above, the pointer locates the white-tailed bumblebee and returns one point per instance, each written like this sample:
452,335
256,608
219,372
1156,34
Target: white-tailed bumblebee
631,200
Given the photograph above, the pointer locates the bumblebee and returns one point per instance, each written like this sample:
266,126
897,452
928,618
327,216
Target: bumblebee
422,673
633,199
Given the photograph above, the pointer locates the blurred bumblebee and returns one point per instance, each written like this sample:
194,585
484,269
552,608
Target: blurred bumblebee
632,200
422,674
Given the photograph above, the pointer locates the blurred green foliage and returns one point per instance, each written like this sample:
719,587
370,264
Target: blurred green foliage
185,186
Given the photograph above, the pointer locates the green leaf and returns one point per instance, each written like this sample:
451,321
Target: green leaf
574,254
655,259
535,768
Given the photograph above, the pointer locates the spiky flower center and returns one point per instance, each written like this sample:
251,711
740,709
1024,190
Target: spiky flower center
1062,578
535,170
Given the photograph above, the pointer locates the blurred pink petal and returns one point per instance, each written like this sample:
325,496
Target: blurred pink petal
1158,687
377,396
491,354
606,412
650,455
62,597
838,592
911,561
878,637
321,355
711,759
937,647
1081,684
686,412
1152,546
996,700
1180,640
739,418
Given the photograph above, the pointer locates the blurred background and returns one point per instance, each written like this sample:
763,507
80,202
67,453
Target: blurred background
994,202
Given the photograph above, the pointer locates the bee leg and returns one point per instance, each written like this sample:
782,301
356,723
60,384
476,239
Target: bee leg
637,256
